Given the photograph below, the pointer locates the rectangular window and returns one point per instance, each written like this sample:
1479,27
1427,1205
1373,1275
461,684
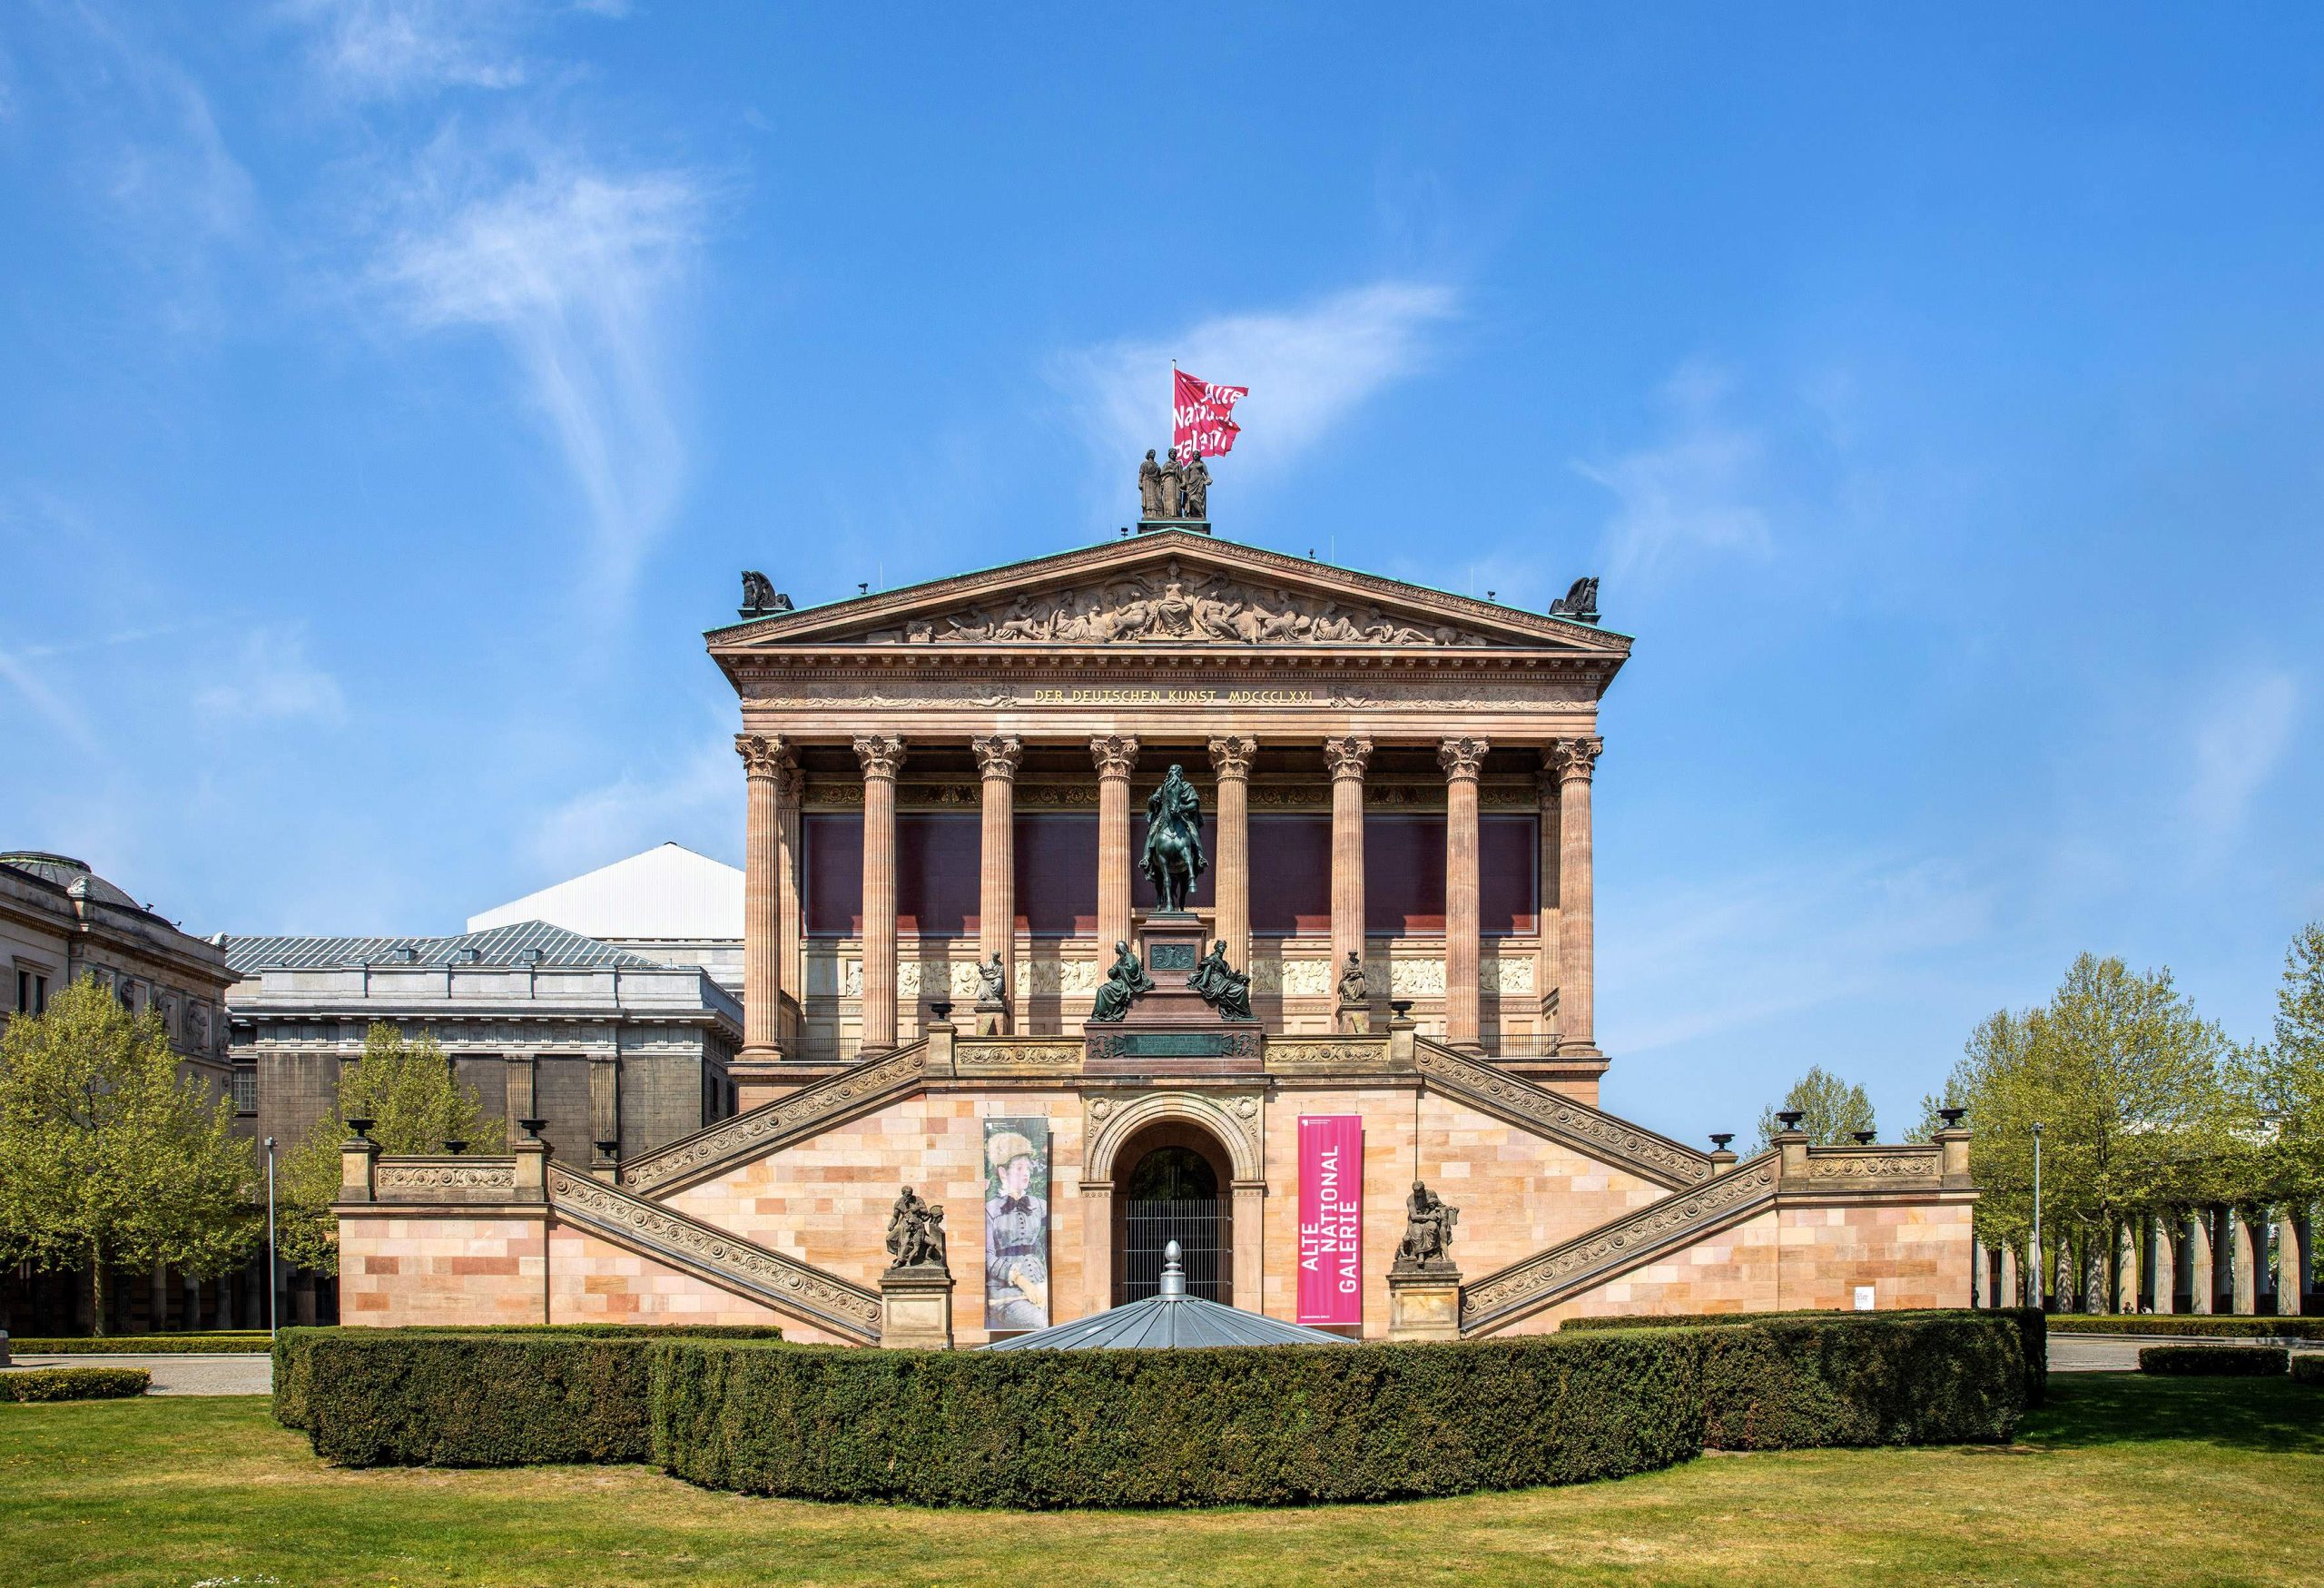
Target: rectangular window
24,992
1056,875
1291,874
245,1085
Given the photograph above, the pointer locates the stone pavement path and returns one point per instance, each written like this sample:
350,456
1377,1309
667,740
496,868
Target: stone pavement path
2119,1353
179,1372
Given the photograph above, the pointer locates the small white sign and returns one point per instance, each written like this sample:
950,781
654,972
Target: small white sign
1864,1298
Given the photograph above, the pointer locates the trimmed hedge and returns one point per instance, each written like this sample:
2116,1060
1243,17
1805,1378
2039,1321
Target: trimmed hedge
2187,1323
73,1384
1864,1378
2215,1361
2029,1323
2309,1368
143,1344
1260,1425
295,1379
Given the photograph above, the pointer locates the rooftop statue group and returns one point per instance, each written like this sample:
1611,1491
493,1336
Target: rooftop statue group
1176,487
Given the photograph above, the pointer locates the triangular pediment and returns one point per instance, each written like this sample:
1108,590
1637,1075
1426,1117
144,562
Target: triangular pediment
1168,590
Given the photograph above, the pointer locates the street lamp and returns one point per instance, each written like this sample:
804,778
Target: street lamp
2041,1269
272,1284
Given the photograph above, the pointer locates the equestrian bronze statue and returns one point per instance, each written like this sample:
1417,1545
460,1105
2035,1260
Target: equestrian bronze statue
1174,857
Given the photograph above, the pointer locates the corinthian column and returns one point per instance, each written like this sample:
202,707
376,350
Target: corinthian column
767,767
1346,755
1117,757
793,962
998,759
881,756
1573,760
1462,759
1230,758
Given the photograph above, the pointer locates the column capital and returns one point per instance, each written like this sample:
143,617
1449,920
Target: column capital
1573,760
1346,754
1231,755
764,754
1462,758
881,753
998,755
792,783
1115,753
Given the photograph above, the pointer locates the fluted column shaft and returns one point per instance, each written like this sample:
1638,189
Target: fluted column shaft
1346,755
2295,1252
998,759
2251,1227
2202,1280
767,765
1230,758
1574,761
1117,757
881,756
1462,759
1549,970
793,959
2162,1232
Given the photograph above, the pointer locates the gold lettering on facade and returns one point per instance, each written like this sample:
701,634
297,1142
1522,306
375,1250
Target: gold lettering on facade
1186,697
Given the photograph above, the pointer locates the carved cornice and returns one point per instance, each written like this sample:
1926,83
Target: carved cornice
999,756
766,755
1327,1055
1231,755
1602,1135
777,1124
1574,760
1015,1055
879,754
1462,758
1346,755
723,1258
1115,753
449,1175
1616,1247
1926,1165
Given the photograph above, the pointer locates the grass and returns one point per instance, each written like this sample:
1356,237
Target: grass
2122,1479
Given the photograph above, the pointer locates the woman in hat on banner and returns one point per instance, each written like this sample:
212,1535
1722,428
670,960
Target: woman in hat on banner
1016,1238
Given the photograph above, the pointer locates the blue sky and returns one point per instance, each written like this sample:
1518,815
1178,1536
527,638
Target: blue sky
392,392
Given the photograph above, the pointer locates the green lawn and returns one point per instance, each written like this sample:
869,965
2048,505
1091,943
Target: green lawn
2121,1480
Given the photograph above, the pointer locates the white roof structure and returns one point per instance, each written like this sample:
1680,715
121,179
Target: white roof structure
668,893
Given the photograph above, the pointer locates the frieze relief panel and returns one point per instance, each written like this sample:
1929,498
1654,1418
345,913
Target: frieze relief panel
1926,1165
397,1181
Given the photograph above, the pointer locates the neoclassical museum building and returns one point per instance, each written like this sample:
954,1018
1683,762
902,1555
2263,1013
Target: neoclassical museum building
968,803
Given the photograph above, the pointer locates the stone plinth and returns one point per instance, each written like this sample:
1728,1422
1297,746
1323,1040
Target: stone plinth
1171,1031
916,1309
1425,1304
993,1017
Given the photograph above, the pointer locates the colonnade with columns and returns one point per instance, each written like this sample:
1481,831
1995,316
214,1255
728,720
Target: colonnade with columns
2196,1260
772,914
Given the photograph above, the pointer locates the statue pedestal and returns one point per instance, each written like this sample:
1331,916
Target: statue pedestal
1171,1031
1425,1304
1355,1020
993,1017
916,1309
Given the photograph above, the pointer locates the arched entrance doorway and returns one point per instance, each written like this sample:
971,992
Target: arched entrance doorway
1172,1182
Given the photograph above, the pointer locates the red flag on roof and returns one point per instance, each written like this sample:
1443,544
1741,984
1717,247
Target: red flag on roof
1201,415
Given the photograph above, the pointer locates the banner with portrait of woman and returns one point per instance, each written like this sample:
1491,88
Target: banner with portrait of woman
1016,1225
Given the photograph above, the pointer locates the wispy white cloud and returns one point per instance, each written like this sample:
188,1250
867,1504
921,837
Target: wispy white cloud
46,703
574,270
2238,744
1306,367
1688,492
272,679
385,49
698,795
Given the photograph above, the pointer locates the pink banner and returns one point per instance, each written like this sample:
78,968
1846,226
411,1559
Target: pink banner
1201,415
1331,1218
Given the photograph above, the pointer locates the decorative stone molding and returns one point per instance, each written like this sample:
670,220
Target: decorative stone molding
1561,1118
1509,975
987,1056
1115,753
1231,755
1463,757
881,754
1574,760
765,756
999,756
1923,1164
1238,1120
1062,978
723,1258
1616,1247
400,1180
1346,754
1328,1056
804,1113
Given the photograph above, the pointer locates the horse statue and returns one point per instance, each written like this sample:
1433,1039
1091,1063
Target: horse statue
1174,857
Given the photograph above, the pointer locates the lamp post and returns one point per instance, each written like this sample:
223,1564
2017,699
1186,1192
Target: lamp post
272,1284
2040,1268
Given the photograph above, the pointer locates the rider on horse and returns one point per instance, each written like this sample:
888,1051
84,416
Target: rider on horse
1173,833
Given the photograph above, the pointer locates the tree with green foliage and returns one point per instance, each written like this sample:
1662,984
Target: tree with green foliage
2130,1088
108,1156
1831,1110
416,1104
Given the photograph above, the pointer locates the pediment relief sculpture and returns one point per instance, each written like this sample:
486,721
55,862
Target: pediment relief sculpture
1171,607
